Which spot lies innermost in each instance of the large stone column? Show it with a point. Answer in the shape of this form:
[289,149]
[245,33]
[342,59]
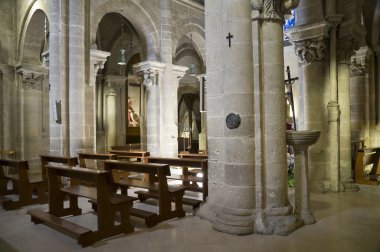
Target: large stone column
[8,102]
[311,48]
[152,73]
[359,95]
[345,51]
[32,120]
[77,73]
[231,147]
[58,78]
[273,212]
[97,60]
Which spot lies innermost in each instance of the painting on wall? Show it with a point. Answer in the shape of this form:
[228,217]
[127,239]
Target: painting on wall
[133,105]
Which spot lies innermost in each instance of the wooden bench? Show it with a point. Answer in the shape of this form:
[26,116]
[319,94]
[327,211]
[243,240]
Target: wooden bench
[108,204]
[193,155]
[48,159]
[157,185]
[367,158]
[30,188]
[190,168]
[139,155]
[90,160]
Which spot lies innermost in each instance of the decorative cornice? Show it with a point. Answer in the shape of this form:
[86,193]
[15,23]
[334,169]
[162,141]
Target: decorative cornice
[309,51]
[272,10]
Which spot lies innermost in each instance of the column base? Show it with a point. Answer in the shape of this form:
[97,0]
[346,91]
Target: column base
[306,216]
[234,221]
[279,221]
[350,186]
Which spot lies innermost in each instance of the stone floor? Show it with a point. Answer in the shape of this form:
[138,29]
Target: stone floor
[345,222]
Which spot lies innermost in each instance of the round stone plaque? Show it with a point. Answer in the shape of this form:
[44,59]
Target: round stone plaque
[232,121]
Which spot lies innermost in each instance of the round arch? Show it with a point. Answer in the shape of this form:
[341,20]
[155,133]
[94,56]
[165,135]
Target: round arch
[138,17]
[33,7]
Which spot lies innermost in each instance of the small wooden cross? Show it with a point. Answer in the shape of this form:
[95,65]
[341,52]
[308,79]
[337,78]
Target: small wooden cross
[229,37]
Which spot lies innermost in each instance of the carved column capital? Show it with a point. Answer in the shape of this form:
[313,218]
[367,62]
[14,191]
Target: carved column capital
[110,90]
[359,62]
[152,72]
[32,81]
[97,59]
[272,10]
[309,51]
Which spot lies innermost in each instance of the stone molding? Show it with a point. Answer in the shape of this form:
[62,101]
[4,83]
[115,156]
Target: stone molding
[272,10]
[179,71]
[309,51]
[315,31]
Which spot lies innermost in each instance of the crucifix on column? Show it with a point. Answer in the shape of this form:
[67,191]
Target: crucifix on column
[289,93]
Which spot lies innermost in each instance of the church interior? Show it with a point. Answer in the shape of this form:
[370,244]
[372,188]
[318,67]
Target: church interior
[190,125]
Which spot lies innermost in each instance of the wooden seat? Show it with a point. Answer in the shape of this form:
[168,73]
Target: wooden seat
[157,184]
[108,204]
[30,188]
[367,159]
[190,168]
[129,155]
[48,159]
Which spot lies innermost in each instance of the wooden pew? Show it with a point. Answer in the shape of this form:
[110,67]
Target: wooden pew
[192,155]
[30,188]
[190,167]
[157,185]
[46,159]
[368,157]
[108,204]
[89,160]
[132,154]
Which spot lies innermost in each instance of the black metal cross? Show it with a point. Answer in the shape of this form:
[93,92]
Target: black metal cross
[229,37]
[289,93]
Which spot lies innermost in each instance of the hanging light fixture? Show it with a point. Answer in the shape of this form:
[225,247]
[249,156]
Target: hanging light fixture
[122,60]
[192,65]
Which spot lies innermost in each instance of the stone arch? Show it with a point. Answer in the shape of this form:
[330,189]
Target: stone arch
[185,28]
[33,7]
[138,17]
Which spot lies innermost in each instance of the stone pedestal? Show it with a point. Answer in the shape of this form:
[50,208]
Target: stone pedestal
[300,141]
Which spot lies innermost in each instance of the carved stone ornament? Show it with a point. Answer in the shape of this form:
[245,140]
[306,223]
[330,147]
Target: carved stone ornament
[273,10]
[233,121]
[309,51]
[111,90]
[358,68]
[32,81]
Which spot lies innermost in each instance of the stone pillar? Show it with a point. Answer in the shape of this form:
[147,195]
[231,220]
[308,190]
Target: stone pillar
[111,128]
[311,47]
[59,77]
[231,116]
[152,73]
[8,105]
[377,83]
[273,212]
[77,73]
[97,60]
[345,51]
[203,134]
[359,96]
[32,83]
